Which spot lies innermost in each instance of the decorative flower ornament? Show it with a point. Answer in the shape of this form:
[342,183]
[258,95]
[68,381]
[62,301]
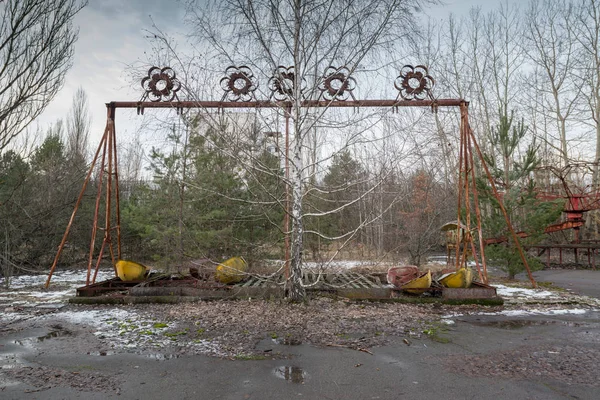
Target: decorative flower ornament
[281,83]
[337,84]
[414,83]
[239,84]
[161,84]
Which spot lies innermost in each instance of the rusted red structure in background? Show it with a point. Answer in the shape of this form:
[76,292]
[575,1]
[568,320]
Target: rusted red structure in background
[579,196]
[568,184]
[161,86]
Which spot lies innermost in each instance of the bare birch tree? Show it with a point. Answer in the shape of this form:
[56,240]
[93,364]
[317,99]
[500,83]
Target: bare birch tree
[587,33]
[552,50]
[78,128]
[503,29]
[36,51]
[308,36]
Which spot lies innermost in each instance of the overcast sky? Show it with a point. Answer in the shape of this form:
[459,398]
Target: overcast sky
[112,36]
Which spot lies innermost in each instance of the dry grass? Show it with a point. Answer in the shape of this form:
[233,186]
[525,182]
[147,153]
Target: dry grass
[239,325]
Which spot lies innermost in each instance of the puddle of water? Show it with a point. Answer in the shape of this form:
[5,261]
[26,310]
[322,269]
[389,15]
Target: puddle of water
[521,323]
[287,341]
[514,324]
[13,352]
[12,361]
[102,353]
[26,343]
[6,382]
[290,373]
[54,334]
[391,360]
[15,358]
[153,356]
[161,357]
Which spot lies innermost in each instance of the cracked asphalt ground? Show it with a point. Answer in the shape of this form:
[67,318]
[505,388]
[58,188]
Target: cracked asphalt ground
[330,350]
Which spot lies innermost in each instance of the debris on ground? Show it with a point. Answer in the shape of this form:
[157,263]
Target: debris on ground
[44,378]
[570,364]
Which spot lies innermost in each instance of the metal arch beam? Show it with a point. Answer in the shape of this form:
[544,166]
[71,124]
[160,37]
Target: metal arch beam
[287,104]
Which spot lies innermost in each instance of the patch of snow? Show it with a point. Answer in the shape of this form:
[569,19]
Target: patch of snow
[520,313]
[28,289]
[336,264]
[517,313]
[77,277]
[129,330]
[93,317]
[49,296]
[8,317]
[333,265]
[452,315]
[438,259]
[506,291]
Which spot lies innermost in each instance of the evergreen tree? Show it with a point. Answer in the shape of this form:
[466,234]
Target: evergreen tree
[203,202]
[36,200]
[514,180]
[343,186]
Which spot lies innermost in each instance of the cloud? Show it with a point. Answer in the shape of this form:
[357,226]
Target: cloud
[111,36]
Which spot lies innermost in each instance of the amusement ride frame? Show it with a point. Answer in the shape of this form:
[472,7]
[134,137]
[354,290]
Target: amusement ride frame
[414,85]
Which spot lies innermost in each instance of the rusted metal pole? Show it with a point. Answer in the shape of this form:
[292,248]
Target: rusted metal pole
[117,194]
[66,234]
[110,227]
[502,208]
[474,251]
[99,260]
[97,207]
[464,109]
[467,186]
[109,176]
[470,185]
[459,238]
[140,105]
[560,256]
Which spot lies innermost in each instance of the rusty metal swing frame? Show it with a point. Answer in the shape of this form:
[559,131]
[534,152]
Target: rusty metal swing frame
[414,85]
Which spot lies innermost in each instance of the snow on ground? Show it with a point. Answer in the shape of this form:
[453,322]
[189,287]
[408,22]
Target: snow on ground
[334,265]
[338,264]
[517,313]
[121,329]
[341,265]
[444,260]
[115,327]
[447,319]
[525,297]
[516,292]
[75,278]
[27,290]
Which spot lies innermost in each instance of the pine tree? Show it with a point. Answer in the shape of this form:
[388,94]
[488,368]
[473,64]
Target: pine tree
[514,176]
[203,203]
